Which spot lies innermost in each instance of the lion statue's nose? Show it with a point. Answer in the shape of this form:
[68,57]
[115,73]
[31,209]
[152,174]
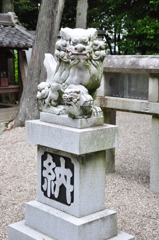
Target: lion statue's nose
[80,48]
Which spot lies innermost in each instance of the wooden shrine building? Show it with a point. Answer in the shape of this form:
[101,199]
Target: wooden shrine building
[13,40]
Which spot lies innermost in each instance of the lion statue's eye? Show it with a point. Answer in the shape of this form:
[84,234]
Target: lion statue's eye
[84,41]
[73,42]
[64,43]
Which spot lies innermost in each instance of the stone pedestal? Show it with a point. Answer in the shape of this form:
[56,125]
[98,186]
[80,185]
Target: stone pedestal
[154,169]
[110,118]
[71,182]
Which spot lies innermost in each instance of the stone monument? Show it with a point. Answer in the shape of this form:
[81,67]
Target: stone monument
[72,141]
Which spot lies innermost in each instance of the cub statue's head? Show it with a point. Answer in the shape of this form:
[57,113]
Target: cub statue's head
[78,101]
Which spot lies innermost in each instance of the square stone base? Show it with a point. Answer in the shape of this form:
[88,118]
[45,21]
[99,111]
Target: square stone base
[59,225]
[63,226]
[20,231]
[46,223]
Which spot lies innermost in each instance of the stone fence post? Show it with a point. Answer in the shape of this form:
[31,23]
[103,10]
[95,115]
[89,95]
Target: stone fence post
[131,83]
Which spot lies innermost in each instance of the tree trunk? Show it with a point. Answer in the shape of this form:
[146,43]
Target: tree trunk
[81,14]
[46,35]
[7,6]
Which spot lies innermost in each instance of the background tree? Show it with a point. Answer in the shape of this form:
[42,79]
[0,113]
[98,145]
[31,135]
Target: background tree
[81,14]
[142,28]
[69,14]
[6,6]
[27,12]
[132,26]
[46,35]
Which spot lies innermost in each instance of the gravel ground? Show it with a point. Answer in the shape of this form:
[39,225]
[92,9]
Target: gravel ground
[127,190]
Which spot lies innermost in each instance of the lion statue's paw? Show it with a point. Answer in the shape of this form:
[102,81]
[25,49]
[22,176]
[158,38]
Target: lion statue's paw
[96,111]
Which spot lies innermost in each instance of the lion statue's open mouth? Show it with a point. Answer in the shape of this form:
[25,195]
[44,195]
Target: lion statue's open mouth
[79,64]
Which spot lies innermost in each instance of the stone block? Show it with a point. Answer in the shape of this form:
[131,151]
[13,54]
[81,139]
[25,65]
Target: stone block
[88,181]
[62,226]
[153,88]
[76,141]
[64,120]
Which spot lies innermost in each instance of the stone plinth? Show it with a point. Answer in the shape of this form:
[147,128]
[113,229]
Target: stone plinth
[71,184]
[63,226]
[64,120]
[154,169]
[72,140]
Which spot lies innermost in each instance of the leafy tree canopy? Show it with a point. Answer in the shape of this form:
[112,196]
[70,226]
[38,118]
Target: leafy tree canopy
[132,26]
[27,12]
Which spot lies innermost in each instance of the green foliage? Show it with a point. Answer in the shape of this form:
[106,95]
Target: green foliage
[16,66]
[69,14]
[143,28]
[27,12]
[132,26]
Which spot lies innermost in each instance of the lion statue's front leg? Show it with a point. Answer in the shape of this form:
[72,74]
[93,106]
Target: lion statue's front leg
[74,75]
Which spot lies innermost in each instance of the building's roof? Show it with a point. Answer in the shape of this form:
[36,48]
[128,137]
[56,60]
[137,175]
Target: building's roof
[12,35]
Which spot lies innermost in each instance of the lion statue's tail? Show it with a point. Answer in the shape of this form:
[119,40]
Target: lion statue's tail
[50,65]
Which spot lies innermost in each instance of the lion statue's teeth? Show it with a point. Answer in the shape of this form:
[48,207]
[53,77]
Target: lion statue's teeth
[74,75]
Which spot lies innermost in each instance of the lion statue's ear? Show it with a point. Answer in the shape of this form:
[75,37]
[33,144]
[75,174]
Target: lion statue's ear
[65,33]
[93,33]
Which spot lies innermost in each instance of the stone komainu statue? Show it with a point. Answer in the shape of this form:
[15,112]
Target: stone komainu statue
[74,75]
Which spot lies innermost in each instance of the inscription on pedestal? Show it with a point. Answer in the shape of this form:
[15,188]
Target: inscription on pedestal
[57,178]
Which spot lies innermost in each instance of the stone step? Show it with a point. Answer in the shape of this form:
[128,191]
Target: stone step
[122,236]
[63,226]
[20,231]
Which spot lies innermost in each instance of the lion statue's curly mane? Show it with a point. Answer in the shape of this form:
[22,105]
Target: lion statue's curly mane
[78,62]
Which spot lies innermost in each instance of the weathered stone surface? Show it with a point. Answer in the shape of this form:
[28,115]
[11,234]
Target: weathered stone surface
[137,63]
[69,122]
[20,231]
[88,195]
[154,167]
[110,118]
[132,105]
[148,65]
[153,88]
[123,236]
[59,225]
[77,141]
[74,77]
